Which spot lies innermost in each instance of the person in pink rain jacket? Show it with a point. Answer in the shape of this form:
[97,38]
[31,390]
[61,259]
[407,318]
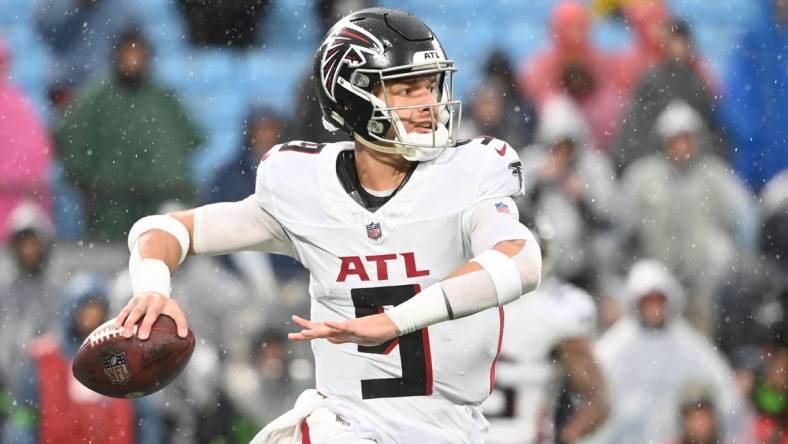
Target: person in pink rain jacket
[572,66]
[25,149]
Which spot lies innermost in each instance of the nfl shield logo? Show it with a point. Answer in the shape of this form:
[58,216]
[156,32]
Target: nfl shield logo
[115,368]
[373,231]
[502,207]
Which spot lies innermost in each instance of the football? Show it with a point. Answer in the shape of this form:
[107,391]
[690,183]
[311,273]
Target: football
[112,365]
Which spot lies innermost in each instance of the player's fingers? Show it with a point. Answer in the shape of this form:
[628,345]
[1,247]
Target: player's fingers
[316,333]
[340,326]
[297,337]
[121,317]
[153,312]
[173,310]
[303,323]
[134,315]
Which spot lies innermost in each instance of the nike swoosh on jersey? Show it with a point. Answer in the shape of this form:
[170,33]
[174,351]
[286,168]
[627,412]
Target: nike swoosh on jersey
[502,151]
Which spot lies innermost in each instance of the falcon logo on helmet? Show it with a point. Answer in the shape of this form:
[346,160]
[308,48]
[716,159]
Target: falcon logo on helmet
[368,50]
[346,46]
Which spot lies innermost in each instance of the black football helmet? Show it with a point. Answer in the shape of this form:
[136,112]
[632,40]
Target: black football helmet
[362,52]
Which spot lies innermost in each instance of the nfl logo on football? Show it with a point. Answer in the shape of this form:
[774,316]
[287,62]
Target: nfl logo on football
[373,231]
[115,368]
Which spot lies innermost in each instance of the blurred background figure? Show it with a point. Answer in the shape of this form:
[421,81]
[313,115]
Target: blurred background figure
[770,395]
[687,208]
[648,20]
[498,108]
[764,379]
[573,187]
[224,23]
[748,301]
[25,149]
[51,406]
[547,344]
[697,417]
[6,401]
[262,129]
[80,35]
[124,140]
[574,67]
[270,372]
[679,75]
[774,235]
[755,101]
[651,354]
[29,301]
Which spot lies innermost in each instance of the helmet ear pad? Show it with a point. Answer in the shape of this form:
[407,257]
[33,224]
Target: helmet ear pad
[357,109]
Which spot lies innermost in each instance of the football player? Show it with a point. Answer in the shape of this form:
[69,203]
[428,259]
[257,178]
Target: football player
[549,340]
[402,229]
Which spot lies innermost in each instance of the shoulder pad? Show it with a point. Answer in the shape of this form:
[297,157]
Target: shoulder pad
[499,166]
[286,168]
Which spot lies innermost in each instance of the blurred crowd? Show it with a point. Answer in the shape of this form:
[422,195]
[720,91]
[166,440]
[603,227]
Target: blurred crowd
[663,185]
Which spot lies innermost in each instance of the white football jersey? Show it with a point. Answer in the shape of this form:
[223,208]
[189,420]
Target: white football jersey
[522,407]
[424,386]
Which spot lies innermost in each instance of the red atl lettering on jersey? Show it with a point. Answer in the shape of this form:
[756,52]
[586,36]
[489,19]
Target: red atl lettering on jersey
[380,260]
[353,265]
[410,266]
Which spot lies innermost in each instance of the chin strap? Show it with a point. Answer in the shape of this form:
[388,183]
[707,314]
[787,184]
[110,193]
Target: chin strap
[413,154]
[403,151]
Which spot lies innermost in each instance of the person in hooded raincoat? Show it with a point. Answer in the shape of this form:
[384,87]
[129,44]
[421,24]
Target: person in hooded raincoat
[650,355]
[572,185]
[687,208]
[28,301]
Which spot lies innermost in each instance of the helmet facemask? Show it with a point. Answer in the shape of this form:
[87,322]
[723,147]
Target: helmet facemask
[386,131]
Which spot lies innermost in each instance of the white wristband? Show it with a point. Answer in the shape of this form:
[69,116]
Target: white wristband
[148,275]
[164,223]
[428,307]
[504,274]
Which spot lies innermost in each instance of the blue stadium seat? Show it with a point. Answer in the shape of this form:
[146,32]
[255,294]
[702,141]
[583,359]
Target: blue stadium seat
[716,12]
[14,11]
[220,147]
[523,40]
[536,12]
[611,35]
[291,24]
[273,75]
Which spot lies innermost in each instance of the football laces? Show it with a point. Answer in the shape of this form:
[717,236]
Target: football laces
[106,331]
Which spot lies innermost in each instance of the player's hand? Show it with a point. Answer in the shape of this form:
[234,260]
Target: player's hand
[367,330]
[148,307]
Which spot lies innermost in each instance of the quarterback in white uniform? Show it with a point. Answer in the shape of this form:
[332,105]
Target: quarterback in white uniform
[402,229]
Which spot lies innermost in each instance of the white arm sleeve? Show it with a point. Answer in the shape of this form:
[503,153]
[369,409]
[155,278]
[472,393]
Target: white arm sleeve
[227,227]
[501,280]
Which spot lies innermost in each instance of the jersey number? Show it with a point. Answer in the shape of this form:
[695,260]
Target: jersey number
[303,147]
[414,348]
